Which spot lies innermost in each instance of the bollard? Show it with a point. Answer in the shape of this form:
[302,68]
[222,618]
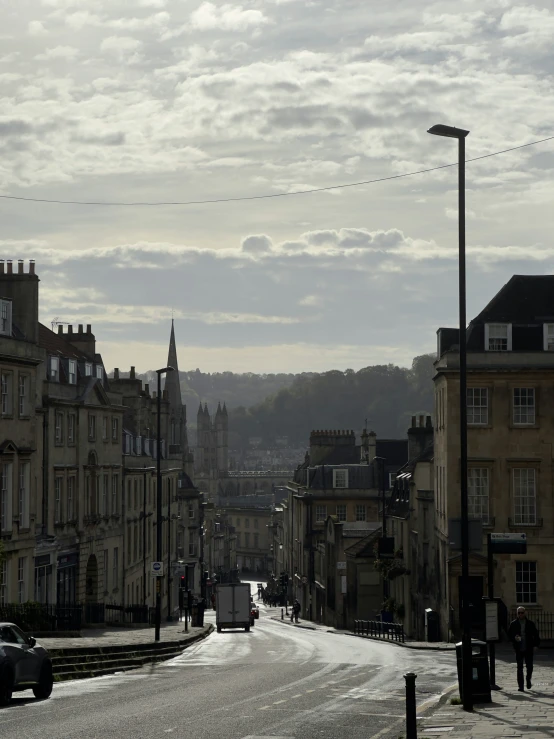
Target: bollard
[411,723]
[282,615]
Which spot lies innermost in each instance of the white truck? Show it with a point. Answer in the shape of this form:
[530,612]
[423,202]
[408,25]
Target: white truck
[232,606]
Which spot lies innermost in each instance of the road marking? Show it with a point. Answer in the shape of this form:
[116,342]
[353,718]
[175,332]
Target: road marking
[264,708]
[276,703]
[298,695]
[310,691]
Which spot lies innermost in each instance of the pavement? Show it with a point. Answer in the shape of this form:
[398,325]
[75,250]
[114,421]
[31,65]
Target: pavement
[511,715]
[111,636]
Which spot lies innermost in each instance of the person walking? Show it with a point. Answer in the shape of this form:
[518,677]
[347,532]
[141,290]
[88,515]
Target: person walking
[524,636]
[296,610]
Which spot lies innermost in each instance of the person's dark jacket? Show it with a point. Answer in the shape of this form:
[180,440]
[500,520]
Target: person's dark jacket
[532,638]
[296,607]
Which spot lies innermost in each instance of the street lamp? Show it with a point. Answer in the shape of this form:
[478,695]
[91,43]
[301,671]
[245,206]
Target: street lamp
[159,372]
[460,134]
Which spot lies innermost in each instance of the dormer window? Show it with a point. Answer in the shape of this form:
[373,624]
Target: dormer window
[498,337]
[340,478]
[54,369]
[88,369]
[5,317]
[72,372]
[99,372]
[549,337]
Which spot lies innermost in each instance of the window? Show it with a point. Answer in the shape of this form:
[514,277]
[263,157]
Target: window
[246,523]
[6,497]
[71,498]
[115,565]
[256,523]
[135,497]
[247,541]
[105,493]
[58,500]
[478,493]
[191,548]
[115,488]
[23,494]
[524,406]
[238,521]
[361,513]
[191,510]
[6,390]
[22,394]
[21,579]
[320,513]
[115,429]
[58,427]
[256,541]
[6,317]
[88,369]
[477,406]
[238,539]
[526,582]
[99,372]
[498,337]
[54,369]
[341,512]
[72,372]
[340,478]
[105,428]
[3,583]
[106,570]
[549,337]
[91,427]
[71,428]
[525,497]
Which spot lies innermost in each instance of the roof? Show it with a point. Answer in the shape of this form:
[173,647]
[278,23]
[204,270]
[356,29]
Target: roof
[365,547]
[58,345]
[399,501]
[357,529]
[360,476]
[394,451]
[524,298]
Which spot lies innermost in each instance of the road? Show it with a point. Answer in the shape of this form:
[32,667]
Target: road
[277,681]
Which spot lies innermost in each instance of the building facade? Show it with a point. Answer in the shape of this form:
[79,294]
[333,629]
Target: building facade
[510,397]
[211,459]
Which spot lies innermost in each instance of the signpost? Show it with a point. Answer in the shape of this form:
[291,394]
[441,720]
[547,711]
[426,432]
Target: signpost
[157,569]
[508,543]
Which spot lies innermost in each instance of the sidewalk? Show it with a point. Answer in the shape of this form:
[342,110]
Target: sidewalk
[511,715]
[115,636]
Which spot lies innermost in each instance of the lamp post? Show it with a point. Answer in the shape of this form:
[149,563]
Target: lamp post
[381,461]
[158,620]
[460,134]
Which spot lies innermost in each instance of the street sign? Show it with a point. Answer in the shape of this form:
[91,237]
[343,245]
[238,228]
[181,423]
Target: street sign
[509,543]
[491,620]
[341,565]
[157,569]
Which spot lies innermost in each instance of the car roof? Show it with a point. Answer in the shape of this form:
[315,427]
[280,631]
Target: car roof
[7,623]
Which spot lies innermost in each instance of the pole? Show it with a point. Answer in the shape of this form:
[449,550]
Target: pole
[466,626]
[411,720]
[158,509]
[144,539]
[168,551]
[492,645]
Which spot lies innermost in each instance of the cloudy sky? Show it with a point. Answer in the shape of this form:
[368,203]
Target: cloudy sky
[165,100]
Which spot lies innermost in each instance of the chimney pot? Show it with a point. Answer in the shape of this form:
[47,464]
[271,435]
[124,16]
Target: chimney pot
[116,373]
[147,389]
[60,329]
[413,422]
[31,266]
[132,374]
[429,422]
[70,328]
[10,267]
[20,266]
[80,328]
[89,328]
[421,421]
[1,266]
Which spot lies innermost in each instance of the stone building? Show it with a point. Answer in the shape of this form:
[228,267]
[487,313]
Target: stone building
[510,397]
[342,479]
[220,547]
[252,537]
[21,483]
[211,459]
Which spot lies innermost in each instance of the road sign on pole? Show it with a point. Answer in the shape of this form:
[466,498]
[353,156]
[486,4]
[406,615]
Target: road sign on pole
[157,569]
[509,543]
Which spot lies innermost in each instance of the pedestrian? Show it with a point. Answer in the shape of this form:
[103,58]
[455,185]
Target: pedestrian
[296,610]
[524,636]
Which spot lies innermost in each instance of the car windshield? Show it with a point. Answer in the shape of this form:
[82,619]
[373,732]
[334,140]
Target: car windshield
[12,635]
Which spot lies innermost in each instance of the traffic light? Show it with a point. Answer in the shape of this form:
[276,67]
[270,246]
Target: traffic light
[182,582]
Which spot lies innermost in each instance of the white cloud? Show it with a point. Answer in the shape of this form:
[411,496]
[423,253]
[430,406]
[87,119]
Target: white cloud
[227,17]
[59,52]
[36,28]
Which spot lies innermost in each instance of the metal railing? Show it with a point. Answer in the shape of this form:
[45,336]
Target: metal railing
[37,617]
[543,621]
[380,629]
[132,614]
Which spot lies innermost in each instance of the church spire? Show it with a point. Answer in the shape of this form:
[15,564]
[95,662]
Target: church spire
[172,383]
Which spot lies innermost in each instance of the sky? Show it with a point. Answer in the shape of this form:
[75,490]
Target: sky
[181,100]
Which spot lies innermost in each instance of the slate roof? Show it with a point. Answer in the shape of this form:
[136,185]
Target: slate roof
[57,345]
[394,451]
[360,476]
[399,501]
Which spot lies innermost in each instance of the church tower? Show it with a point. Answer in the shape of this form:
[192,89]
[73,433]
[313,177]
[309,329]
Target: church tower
[178,440]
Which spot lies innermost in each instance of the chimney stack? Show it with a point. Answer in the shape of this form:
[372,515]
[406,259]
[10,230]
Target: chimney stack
[20,266]
[22,290]
[132,374]
[70,328]
[10,267]
[31,266]
[116,373]
[1,266]
[60,329]
[80,328]
[89,328]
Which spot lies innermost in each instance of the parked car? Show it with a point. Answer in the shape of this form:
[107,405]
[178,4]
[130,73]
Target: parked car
[24,664]
[254,610]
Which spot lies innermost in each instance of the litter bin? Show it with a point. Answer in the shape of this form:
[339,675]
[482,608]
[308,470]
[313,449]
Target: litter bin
[194,615]
[480,683]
